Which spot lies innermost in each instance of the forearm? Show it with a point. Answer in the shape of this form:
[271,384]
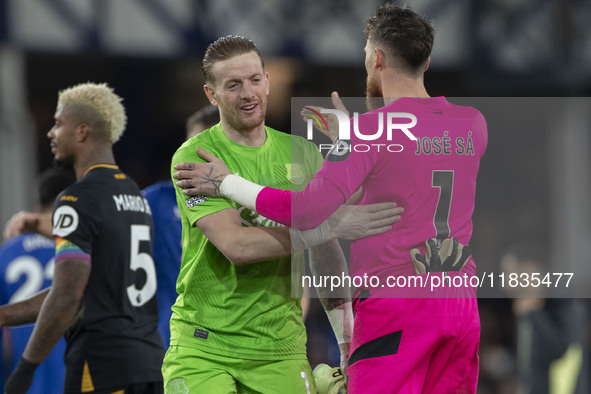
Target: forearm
[306,209]
[45,226]
[303,210]
[29,222]
[23,312]
[255,244]
[245,245]
[328,260]
[56,315]
[262,243]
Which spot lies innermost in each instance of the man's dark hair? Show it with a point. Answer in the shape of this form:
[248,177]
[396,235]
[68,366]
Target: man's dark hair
[207,116]
[402,34]
[225,48]
[52,182]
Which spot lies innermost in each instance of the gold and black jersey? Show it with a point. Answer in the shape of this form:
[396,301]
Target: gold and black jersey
[115,340]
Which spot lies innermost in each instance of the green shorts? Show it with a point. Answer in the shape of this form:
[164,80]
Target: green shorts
[188,370]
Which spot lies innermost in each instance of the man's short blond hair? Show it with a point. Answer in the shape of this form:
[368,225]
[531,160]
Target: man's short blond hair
[102,99]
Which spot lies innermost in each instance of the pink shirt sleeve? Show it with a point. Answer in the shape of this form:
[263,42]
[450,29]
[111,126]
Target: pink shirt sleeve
[275,204]
[309,208]
[330,188]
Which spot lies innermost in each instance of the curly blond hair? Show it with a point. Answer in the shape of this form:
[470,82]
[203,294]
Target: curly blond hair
[103,100]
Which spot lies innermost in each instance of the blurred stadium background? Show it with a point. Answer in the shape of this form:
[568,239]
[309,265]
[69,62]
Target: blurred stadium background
[534,182]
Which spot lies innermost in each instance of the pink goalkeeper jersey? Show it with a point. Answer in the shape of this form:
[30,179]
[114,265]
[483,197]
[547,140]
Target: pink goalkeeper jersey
[432,178]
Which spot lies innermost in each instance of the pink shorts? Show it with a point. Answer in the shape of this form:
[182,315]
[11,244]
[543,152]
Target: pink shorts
[415,345]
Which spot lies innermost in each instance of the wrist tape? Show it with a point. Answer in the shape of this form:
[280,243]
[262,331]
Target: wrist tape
[301,240]
[341,320]
[243,191]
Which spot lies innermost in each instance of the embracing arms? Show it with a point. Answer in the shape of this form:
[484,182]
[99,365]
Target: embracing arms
[244,245]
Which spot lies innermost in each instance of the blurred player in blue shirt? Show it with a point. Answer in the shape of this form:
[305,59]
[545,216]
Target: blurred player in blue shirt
[26,267]
[167,227]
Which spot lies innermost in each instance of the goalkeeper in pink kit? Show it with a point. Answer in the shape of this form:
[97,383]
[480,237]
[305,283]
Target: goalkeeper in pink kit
[405,340]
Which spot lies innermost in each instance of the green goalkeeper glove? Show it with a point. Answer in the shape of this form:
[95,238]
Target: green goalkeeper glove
[329,380]
[441,256]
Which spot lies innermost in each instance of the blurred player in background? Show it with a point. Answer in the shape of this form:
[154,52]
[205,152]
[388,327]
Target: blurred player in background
[103,295]
[201,120]
[235,326]
[399,344]
[552,333]
[26,267]
[167,227]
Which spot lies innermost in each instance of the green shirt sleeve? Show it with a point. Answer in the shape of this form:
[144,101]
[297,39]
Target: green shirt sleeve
[195,207]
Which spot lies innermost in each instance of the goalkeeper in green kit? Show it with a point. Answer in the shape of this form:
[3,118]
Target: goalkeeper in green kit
[235,327]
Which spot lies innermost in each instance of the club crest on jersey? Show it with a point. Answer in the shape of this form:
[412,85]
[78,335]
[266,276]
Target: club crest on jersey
[177,386]
[65,221]
[195,200]
[295,174]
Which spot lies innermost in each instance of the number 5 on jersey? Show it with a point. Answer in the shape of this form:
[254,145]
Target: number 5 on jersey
[143,261]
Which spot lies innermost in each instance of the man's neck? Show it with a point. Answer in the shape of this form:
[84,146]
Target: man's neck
[99,155]
[398,86]
[254,137]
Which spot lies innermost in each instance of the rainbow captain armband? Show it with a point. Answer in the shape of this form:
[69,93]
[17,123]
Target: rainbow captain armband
[65,249]
[266,201]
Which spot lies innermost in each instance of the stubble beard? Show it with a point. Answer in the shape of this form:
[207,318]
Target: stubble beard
[237,124]
[373,94]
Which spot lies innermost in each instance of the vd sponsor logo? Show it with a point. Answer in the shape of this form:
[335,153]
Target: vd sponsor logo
[389,123]
[65,221]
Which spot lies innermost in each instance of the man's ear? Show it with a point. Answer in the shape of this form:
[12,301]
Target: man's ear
[210,93]
[379,59]
[83,132]
[427,64]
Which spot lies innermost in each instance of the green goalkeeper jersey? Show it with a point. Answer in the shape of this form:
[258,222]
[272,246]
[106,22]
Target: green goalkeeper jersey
[240,311]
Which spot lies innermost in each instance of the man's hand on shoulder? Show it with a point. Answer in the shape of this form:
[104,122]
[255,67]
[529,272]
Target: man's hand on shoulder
[352,222]
[201,179]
